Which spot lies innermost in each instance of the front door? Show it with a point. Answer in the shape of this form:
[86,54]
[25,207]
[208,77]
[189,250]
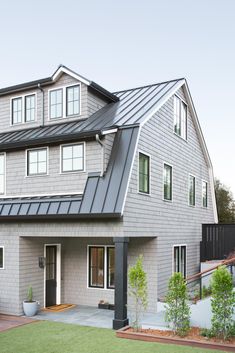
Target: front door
[51,251]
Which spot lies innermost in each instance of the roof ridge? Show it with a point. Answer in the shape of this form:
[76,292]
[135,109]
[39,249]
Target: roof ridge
[151,85]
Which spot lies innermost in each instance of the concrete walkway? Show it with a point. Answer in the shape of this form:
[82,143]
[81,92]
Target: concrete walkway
[91,316]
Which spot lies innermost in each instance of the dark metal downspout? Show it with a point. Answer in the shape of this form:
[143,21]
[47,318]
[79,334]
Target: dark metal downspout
[43,115]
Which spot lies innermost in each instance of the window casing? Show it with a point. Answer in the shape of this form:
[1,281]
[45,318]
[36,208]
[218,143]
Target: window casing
[180,117]
[23,109]
[37,162]
[204,193]
[192,190]
[1,257]
[101,264]
[144,173]
[72,158]
[73,100]
[180,259]
[56,103]
[167,182]
[2,173]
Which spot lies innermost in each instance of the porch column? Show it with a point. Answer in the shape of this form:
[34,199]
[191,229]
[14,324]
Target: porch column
[120,301]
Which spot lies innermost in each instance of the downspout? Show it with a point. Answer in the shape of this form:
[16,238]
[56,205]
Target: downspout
[43,117]
[103,152]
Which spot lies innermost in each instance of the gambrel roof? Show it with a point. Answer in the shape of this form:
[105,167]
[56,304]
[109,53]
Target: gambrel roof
[126,113]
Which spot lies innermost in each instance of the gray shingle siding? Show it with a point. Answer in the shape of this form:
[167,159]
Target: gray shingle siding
[176,222]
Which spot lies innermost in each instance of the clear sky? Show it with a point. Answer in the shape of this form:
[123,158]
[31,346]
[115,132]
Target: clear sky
[127,43]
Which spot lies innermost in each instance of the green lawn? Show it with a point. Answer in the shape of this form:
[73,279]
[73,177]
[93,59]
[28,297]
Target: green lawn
[51,337]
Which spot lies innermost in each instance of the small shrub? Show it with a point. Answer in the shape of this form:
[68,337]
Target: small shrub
[206,291]
[177,309]
[138,289]
[222,303]
[205,332]
[30,294]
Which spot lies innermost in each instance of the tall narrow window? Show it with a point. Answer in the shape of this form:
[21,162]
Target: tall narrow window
[72,158]
[2,173]
[37,162]
[144,173]
[96,267]
[17,110]
[180,117]
[167,182]
[56,103]
[191,190]
[30,108]
[1,257]
[204,194]
[110,267]
[180,259]
[73,100]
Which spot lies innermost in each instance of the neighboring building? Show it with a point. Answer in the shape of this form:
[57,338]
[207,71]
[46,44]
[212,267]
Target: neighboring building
[91,179]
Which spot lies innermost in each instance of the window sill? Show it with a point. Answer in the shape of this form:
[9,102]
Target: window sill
[109,289]
[169,201]
[183,139]
[143,193]
[65,117]
[36,175]
[73,172]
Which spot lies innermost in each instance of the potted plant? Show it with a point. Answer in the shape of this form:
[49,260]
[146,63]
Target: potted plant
[30,306]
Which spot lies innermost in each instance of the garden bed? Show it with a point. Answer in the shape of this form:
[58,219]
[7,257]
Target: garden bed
[193,338]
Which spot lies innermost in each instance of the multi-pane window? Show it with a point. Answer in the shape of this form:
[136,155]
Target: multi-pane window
[72,100]
[96,267]
[56,103]
[144,173]
[2,173]
[17,110]
[180,117]
[37,161]
[167,175]
[191,190]
[204,193]
[180,259]
[101,267]
[1,257]
[30,108]
[72,158]
[110,267]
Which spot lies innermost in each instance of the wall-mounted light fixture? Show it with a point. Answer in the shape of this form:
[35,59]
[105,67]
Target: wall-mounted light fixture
[41,261]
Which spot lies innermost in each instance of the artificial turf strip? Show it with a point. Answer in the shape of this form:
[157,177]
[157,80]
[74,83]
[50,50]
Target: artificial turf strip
[53,337]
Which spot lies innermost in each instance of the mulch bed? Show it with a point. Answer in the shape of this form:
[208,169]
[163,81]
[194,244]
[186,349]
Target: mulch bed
[10,321]
[193,338]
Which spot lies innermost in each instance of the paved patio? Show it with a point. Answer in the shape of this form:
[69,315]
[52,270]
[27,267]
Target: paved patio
[91,316]
[9,321]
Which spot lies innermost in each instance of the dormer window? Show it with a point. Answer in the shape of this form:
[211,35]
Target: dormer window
[23,109]
[180,118]
[64,102]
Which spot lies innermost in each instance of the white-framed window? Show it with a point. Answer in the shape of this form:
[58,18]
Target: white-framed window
[1,257]
[2,173]
[72,158]
[192,190]
[204,193]
[73,100]
[101,262]
[180,117]
[144,173]
[37,161]
[179,259]
[167,182]
[64,102]
[23,109]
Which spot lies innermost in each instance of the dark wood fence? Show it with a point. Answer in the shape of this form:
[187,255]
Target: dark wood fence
[218,241]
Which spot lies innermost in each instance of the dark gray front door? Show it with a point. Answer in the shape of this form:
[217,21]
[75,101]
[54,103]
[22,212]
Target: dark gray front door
[51,275]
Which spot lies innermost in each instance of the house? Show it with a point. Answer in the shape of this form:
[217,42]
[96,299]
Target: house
[91,179]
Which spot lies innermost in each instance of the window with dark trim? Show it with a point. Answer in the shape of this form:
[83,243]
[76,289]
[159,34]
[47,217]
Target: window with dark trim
[191,190]
[204,194]
[17,110]
[110,267]
[73,100]
[37,161]
[167,182]
[180,259]
[56,103]
[30,108]
[1,257]
[180,117]
[2,172]
[23,109]
[144,173]
[96,266]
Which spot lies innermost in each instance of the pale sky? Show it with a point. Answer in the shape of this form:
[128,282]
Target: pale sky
[128,43]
